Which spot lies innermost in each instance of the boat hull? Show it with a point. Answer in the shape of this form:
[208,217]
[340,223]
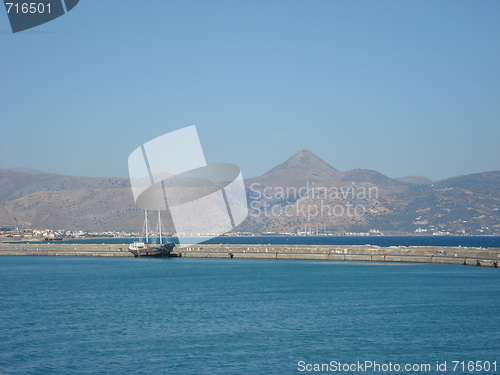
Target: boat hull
[155,252]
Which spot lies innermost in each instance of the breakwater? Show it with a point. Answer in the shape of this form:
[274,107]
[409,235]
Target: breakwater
[58,249]
[472,256]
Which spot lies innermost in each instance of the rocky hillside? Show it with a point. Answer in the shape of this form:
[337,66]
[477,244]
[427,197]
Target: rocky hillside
[302,194]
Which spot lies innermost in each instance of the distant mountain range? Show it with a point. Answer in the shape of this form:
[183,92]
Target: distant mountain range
[303,194]
[24,170]
[414,179]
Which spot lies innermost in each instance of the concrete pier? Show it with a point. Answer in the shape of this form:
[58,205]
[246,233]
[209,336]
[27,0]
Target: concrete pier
[471,256]
[487,257]
[59,249]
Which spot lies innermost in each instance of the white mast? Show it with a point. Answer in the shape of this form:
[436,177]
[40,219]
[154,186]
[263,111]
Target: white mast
[146,225]
[159,227]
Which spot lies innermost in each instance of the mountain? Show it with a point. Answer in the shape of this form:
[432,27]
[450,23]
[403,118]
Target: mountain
[24,170]
[300,167]
[459,205]
[67,202]
[307,164]
[11,182]
[486,182]
[78,209]
[304,193]
[371,177]
[414,179]
[18,184]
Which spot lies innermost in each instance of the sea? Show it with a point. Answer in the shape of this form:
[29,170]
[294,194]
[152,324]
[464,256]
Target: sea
[85,315]
[470,241]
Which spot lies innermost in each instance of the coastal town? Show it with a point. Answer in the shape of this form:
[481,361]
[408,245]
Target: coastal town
[38,235]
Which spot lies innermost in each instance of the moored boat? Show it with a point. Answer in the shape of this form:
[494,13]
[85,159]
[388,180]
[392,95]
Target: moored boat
[145,249]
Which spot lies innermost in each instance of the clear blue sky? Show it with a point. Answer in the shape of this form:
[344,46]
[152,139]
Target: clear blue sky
[402,87]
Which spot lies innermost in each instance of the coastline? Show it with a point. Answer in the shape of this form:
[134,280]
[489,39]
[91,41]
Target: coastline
[472,256]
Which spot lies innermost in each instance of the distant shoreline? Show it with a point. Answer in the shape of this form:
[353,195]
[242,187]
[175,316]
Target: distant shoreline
[3,239]
[382,241]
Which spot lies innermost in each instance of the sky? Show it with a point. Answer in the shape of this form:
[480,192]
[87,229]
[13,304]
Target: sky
[401,87]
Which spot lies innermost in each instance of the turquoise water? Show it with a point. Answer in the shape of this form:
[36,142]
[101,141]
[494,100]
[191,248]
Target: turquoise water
[202,316]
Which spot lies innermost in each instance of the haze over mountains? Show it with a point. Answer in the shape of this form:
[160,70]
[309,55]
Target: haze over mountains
[303,194]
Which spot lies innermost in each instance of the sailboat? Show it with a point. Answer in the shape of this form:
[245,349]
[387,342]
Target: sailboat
[143,248]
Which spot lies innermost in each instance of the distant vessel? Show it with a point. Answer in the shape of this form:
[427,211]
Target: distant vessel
[145,249]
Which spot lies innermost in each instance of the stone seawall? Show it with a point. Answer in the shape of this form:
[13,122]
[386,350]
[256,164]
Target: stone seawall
[60,249]
[488,257]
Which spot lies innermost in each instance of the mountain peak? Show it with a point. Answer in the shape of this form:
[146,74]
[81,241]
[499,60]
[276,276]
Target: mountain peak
[304,162]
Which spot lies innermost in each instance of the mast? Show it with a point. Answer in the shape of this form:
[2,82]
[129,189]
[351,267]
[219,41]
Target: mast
[159,227]
[146,225]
